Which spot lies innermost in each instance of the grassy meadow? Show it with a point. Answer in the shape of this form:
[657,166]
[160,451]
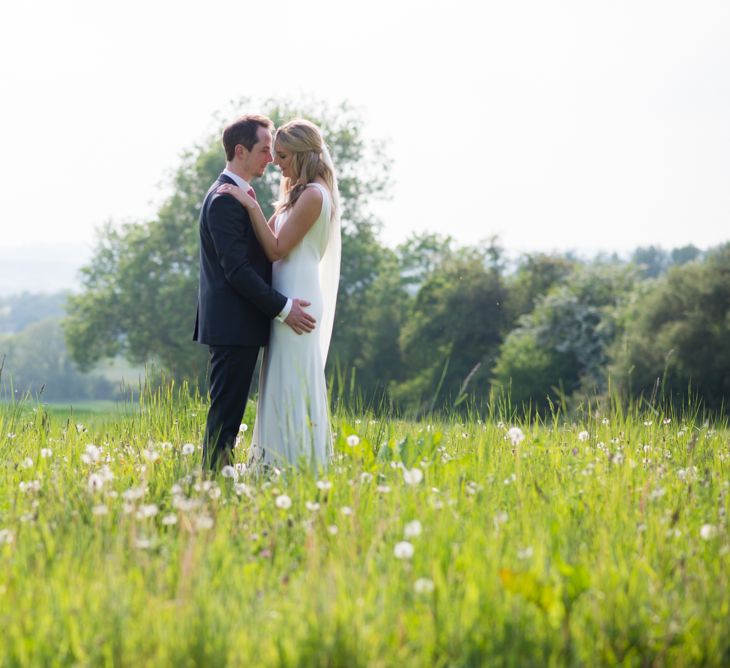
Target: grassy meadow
[595,540]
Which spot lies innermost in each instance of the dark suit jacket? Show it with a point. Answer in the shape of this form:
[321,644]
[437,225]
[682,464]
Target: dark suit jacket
[236,302]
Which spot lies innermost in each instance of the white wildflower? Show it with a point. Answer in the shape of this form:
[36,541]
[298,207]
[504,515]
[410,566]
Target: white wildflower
[515,435]
[324,485]
[332,529]
[312,506]
[148,510]
[91,454]
[412,476]
[27,463]
[229,472]
[96,482]
[708,531]
[169,520]
[423,586]
[203,522]
[353,440]
[188,449]
[283,502]
[525,553]
[583,436]
[403,550]
[500,518]
[151,455]
[242,488]
[346,510]
[243,427]
[413,529]
[383,489]
[6,536]
[134,493]
[46,453]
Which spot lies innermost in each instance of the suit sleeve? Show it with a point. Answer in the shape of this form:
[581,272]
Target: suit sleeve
[230,229]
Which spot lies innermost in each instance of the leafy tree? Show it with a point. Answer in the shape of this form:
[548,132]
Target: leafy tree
[140,287]
[677,332]
[652,261]
[536,274]
[562,346]
[37,362]
[19,311]
[453,331]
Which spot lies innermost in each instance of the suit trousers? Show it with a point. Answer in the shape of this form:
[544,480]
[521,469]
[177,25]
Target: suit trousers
[231,371]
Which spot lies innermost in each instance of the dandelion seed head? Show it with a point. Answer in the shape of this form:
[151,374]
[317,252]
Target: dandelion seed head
[423,586]
[283,502]
[353,440]
[404,550]
[413,529]
[708,531]
[412,476]
[515,435]
[583,436]
[229,472]
[95,482]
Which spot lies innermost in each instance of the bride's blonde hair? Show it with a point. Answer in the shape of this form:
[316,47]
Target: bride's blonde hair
[310,159]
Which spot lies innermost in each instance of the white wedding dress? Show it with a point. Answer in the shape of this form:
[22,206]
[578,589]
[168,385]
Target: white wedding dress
[292,418]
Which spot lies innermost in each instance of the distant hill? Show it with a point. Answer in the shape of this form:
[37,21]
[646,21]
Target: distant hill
[41,268]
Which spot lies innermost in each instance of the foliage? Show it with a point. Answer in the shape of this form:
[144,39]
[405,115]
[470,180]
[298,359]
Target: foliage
[677,331]
[600,542]
[21,310]
[453,330]
[36,361]
[562,346]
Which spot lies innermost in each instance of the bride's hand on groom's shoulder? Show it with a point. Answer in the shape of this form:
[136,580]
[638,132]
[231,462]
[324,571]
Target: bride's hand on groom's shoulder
[244,198]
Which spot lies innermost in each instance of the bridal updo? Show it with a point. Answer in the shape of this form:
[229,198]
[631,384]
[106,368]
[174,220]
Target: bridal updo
[310,159]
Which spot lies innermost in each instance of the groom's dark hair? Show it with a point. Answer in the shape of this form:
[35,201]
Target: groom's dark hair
[244,131]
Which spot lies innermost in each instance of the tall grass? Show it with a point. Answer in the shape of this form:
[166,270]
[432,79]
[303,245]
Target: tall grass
[596,540]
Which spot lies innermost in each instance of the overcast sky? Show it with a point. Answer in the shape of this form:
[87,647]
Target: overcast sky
[554,125]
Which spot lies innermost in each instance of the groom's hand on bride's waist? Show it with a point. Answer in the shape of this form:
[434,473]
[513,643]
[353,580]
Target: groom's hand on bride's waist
[298,319]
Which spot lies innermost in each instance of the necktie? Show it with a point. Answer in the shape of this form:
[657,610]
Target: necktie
[251,193]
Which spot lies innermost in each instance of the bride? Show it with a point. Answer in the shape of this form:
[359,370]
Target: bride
[302,239]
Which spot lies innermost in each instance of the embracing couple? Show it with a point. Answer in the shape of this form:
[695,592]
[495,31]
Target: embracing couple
[245,302]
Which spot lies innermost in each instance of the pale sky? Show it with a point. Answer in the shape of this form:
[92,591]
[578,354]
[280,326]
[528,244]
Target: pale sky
[554,125]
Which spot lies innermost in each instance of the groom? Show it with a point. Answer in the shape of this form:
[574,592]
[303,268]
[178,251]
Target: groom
[235,299]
